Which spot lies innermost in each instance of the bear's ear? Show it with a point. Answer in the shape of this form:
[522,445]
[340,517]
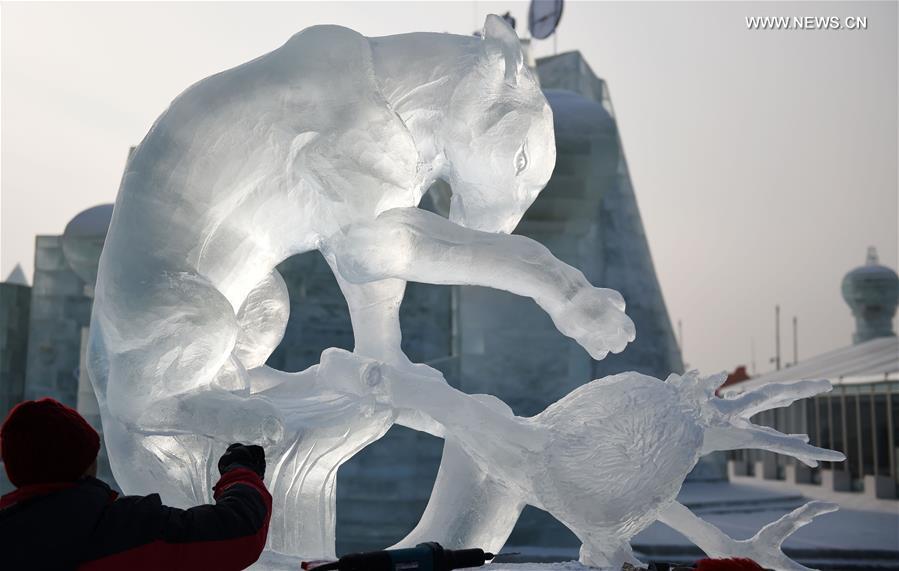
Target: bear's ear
[499,36]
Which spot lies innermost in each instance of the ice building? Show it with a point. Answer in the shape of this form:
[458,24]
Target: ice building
[15,305]
[65,271]
[872,292]
[488,341]
[60,308]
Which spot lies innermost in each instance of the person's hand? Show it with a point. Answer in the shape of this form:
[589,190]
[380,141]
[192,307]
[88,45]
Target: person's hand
[243,456]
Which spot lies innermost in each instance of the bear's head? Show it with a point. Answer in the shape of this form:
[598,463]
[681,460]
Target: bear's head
[500,147]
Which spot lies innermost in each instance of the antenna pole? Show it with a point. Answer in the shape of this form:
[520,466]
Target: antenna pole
[777,336]
[752,353]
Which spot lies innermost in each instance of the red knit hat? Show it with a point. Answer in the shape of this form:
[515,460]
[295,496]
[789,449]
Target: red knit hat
[45,441]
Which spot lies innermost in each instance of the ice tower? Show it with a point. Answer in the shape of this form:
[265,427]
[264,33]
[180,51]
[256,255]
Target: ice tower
[872,292]
[61,299]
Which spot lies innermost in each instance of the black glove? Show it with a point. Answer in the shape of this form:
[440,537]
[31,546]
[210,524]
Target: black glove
[243,456]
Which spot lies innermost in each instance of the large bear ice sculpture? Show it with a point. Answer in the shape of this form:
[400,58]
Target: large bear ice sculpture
[329,143]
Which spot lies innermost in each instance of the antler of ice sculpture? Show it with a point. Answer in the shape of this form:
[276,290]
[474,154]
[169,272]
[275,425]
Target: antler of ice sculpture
[729,427]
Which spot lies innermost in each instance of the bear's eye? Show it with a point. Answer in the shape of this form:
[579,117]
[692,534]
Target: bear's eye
[521,159]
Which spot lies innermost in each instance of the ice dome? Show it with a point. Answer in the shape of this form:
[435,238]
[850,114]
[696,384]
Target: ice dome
[872,292]
[82,240]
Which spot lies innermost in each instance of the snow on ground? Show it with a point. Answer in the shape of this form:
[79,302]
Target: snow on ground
[849,500]
[842,530]
[741,509]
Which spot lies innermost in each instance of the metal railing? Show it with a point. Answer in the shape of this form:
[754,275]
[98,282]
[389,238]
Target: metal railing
[858,419]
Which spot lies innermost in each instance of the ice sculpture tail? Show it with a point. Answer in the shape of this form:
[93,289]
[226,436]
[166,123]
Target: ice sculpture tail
[764,547]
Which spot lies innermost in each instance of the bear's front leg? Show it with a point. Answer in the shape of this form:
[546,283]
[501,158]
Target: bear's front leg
[416,245]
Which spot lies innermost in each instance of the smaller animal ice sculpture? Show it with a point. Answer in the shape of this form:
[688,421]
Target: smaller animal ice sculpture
[607,460]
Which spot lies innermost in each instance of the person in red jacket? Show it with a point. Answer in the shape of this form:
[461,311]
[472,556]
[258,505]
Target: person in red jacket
[61,517]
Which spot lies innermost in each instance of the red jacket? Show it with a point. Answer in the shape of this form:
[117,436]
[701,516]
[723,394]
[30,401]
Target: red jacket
[85,526]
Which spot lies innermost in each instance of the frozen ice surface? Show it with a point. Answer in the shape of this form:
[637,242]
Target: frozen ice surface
[328,143]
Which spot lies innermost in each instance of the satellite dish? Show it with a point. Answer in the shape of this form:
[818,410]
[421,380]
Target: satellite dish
[543,18]
[509,19]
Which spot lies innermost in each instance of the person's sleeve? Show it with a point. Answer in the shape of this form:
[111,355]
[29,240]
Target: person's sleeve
[230,535]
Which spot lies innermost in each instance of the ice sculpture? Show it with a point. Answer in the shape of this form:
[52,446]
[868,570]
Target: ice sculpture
[607,460]
[328,143]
